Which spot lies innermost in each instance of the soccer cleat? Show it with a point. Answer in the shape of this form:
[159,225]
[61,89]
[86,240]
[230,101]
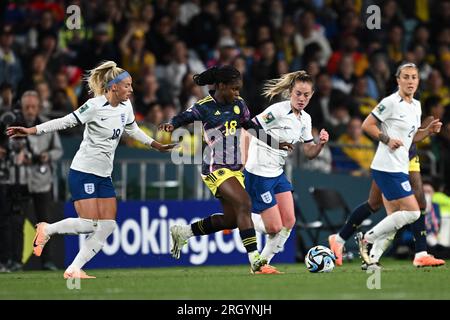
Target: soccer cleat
[268,269]
[40,239]
[363,247]
[257,263]
[78,274]
[428,261]
[337,249]
[179,239]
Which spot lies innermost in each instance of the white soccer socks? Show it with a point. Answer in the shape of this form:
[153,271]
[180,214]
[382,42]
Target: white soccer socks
[93,244]
[275,243]
[71,226]
[391,223]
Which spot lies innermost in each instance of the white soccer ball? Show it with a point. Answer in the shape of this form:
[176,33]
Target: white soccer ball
[320,259]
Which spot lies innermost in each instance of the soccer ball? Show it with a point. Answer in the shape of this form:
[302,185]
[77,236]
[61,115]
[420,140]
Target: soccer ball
[320,259]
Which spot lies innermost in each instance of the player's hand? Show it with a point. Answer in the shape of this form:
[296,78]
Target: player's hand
[434,126]
[323,136]
[394,144]
[163,147]
[286,146]
[166,127]
[18,132]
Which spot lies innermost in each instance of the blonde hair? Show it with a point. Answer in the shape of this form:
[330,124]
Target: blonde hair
[99,77]
[285,84]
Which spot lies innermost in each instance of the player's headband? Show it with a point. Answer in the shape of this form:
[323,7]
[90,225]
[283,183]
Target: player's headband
[117,79]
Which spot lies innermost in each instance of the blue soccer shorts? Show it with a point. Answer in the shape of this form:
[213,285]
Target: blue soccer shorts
[84,185]
[262,190]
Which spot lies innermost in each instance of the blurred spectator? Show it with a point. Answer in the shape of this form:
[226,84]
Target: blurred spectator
[160,40]
[38,73]
[205,27]
[62,83]
[345,78]
[97,49]
[6,96]
[150,93]
[357,147]
[378,76]
[323,99]
[180,64]
[135,58]
[290,43]
[44,149]
[395,45]
[266,67]
[349,47]
[190,92]
[10,66]
[339,119]
[239,28]
[364,103]
[435,86]
[43,89]
[248,85]
[226,49]
[188,10]
[149,124]
[313,33]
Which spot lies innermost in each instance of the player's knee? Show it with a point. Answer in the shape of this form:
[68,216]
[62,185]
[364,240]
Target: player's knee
[289,222]
[273,227]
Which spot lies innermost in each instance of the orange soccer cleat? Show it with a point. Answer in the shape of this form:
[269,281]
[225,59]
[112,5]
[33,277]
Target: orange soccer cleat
[268,269]
[337,249]
[78,274]
[40,239]
[428,261]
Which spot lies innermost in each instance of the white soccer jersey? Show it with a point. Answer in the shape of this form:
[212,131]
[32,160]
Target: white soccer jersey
[280,122]
[399,120]
[104,127]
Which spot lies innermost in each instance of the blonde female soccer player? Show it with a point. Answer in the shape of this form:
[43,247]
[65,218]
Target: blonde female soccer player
[399,118]
[106,117]
[265,180]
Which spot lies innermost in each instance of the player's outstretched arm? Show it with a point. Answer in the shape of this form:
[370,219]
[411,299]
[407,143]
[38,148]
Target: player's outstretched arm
[136,133]
[18,132]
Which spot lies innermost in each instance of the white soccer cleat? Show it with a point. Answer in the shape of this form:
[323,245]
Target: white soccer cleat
[180,235]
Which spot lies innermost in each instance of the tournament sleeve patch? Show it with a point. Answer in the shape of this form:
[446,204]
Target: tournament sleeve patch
[268,118]
[83,108]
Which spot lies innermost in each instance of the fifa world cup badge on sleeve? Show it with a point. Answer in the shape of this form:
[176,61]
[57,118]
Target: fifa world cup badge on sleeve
[381,108]
[268,118]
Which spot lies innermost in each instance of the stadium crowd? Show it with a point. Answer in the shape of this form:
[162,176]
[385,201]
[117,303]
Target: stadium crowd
[163,43]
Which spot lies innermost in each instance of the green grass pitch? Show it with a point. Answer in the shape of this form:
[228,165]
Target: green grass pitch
[399,280]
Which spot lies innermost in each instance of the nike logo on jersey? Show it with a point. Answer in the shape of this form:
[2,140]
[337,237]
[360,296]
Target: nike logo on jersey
[103,119]
[402,116]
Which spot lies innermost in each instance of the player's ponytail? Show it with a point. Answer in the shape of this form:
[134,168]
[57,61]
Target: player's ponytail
[285,84]
[224,74]
[99,77]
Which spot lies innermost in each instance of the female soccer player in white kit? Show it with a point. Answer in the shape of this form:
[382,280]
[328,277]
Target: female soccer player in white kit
[106,116]
[265,181]
[399,115]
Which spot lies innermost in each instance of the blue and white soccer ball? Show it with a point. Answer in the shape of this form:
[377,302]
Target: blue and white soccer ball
[320,259]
